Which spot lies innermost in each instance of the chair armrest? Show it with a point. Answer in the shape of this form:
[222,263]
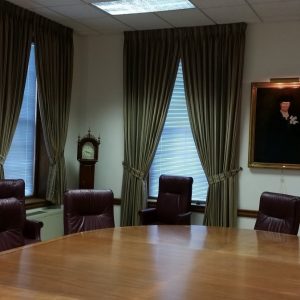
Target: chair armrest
[148,215]
[184,219]
[32,229]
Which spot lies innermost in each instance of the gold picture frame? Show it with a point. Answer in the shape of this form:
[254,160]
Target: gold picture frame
[274,140]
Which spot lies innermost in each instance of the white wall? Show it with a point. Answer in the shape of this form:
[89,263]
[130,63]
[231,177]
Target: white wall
[272,50]
[97,103]
[52,219]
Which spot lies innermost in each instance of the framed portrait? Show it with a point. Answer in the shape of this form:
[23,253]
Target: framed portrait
[275,125]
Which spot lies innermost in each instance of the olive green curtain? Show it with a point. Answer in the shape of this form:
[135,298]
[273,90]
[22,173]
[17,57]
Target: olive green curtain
[150,64]
[54,60]
[212,60]
[15,42]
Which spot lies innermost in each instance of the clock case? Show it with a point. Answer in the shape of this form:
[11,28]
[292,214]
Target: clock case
[87,166]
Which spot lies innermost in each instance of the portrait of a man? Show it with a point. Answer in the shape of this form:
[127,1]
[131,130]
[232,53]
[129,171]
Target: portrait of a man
[275,125]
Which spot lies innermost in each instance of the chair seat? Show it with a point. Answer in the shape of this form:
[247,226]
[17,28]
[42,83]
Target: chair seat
[11,239]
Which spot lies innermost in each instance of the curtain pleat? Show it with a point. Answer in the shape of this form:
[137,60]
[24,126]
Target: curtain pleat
[212,61]
[15,42]
[150,64]
[54,60]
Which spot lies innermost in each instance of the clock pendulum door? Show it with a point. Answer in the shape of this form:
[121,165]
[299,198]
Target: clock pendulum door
[86,176]
[87,155]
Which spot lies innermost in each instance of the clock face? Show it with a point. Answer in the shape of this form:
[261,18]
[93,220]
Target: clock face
[88,151]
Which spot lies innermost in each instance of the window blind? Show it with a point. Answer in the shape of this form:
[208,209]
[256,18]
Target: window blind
[176,153]
[19,163]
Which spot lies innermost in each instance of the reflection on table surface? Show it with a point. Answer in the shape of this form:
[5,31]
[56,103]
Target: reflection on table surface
[155,262]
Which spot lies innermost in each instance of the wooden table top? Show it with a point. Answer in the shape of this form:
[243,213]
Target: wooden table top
[155,262]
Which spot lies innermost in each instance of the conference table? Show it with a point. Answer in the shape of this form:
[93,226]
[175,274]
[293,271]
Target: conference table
[155,262]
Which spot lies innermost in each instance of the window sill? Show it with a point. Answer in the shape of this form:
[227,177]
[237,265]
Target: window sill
[39,202]
[197,206]
[36,203]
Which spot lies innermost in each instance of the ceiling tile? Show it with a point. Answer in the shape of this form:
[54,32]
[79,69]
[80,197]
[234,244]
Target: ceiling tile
[266,1]
[217,3]
[143,21]
[90,20]
[187,17]
[78,11]
[287,9]
[93,1]
[75,25]
[25,3]
[232,14]
[48,13]
[105,25]
[49,3]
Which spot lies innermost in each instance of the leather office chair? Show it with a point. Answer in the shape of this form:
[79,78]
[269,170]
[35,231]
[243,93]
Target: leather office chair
[278,213]
[88,210]
[11,224]
[173,202]
[16,188]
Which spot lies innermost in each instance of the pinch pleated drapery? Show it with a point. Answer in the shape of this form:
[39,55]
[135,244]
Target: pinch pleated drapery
[150,64]
[54,60]
[212,61]
[15,42]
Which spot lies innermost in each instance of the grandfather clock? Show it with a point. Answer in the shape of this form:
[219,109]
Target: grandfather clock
[87,155]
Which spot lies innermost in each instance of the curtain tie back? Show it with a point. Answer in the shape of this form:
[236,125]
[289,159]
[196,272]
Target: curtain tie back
[222,176]
[134,172]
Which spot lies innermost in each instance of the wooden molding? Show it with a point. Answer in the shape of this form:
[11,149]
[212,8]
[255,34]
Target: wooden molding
[36,203]
[199,208]
[247,213]
[117,201]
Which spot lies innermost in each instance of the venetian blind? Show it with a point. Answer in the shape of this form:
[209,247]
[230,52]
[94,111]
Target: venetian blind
[176,153]
[19,163]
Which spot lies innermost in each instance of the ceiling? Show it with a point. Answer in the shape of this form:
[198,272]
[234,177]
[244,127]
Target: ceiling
[86,19]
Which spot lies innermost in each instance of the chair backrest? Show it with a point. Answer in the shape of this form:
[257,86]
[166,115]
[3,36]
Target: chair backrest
[11,224]
[88,210]
[16,188]
[278,213]
[174,197]
[13,188]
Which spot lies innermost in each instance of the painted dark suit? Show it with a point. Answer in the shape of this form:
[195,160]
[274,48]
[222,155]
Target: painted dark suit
[284,139]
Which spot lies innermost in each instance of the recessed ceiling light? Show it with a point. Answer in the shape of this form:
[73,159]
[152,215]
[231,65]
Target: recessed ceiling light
[124,7]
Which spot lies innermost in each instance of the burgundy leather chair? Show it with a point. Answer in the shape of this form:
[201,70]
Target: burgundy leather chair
[11,224]
[173,202]
[16,188]
[278,213]
[88,210]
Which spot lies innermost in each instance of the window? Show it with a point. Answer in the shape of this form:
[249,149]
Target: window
[176,153]
[20,162]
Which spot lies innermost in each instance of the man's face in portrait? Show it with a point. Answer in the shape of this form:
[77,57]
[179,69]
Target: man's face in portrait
[285,105]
